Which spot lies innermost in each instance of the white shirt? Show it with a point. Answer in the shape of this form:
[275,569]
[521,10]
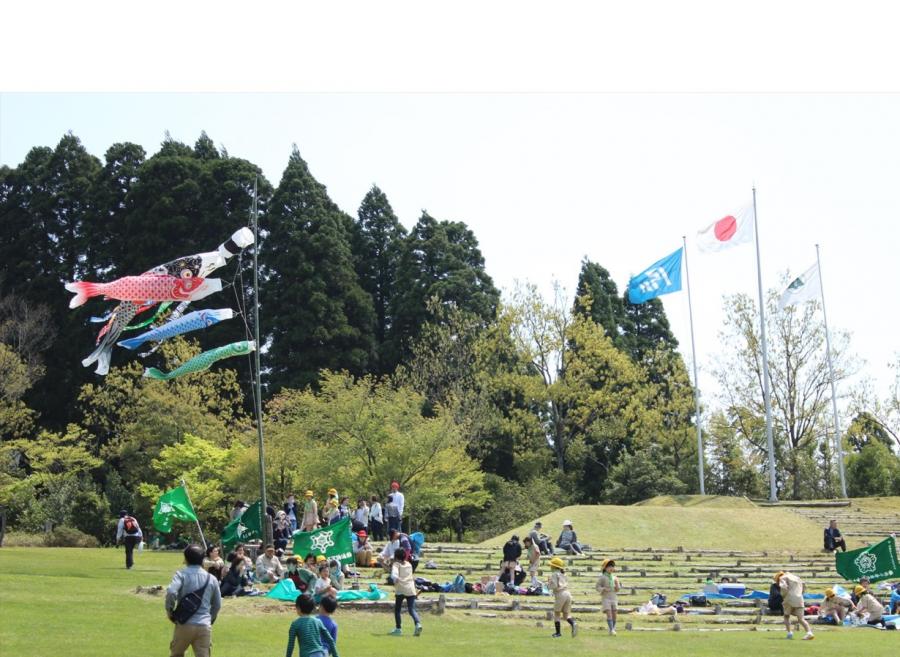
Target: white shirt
[388,552]
[375,512]
[120,530]
[362,515]
[399,500]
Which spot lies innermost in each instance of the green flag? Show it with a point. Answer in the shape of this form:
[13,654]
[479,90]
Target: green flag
[173,505]
[243,528]
[333,541]
[877,562]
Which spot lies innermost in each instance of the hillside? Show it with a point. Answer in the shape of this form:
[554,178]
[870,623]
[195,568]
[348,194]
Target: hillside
[706,501]
[695,526]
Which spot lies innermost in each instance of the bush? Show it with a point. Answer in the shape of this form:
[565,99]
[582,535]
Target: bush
[69,537]
[23,539]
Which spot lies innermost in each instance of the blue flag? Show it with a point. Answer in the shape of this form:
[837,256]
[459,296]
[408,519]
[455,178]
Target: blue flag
[659,278]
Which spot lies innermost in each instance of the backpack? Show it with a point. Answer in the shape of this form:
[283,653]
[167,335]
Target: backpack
[459,584]
[698,600]
[130,525]
[659,599]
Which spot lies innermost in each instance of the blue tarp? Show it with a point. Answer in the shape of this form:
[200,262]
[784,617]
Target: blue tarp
[749,595]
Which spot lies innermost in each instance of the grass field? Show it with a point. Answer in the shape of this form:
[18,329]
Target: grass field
[706,501]
[79,602]
[696,526]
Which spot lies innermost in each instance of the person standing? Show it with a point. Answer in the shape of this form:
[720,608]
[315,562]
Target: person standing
[195,631]
[392,513]
[533,554]
[608,586]
[400,501]
[292,511]
[310,513]
[128,531]
[376,517]
[792,588]
[404,589]
[360,521]
[308,632]
[512,550]
[562,599]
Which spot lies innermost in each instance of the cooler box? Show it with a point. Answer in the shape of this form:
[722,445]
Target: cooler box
[737,590]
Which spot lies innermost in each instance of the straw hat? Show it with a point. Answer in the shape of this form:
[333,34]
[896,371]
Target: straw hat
[332,491]
[859,590]
[556,562]
[308,493]
[605,563]
[320,558]
[829,593]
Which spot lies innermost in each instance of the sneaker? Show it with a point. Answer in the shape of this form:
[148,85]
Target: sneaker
[418,630]
[612,633]
[555,635]
[809,636]
[395,632]
[790,635]
[574,629]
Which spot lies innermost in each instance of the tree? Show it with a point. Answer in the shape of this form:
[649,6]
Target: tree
[318,316]
[441,260]
[605,306]
[873,471]
[377,243]
[800,383]
[733,469]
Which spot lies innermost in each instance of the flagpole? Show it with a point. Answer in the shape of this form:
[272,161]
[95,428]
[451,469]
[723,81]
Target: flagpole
[687,275]
[839,451]
[199,529]
[767,400]
[257,390]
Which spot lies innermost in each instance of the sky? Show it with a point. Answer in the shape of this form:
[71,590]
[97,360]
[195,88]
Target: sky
[547,179]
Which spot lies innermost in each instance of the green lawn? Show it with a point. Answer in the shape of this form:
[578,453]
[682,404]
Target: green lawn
[694,526]
[76,602]
[707,501]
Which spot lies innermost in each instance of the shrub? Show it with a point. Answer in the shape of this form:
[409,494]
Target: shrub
[23,539]
[69,537]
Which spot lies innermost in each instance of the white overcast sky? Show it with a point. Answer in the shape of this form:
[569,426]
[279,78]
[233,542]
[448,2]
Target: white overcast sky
[543,173]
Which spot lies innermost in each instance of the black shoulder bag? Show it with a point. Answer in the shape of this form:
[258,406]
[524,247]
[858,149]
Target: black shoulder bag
[189,604]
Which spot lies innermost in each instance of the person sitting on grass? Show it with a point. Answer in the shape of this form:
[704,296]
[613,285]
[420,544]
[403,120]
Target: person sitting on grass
[314,640]
[323,585]
[240,551]
[213,563]
[268,567]
[792,588]
[836,607]
[336,574]
[236,582]
[608,586]
[362,550]
[833,538]
[863,582]
[895,599]
[404,589]
[327,606]
[562,598]
[568,539]
[868,607]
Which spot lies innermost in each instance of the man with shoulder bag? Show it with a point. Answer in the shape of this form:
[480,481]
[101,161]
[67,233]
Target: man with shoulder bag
[193,601]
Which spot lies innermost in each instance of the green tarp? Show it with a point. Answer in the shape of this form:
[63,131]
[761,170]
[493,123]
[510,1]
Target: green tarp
[285,590]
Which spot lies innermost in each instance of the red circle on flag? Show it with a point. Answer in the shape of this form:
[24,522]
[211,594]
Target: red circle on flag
[725,228]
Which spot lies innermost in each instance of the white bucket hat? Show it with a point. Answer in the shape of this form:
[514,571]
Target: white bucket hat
[567,522]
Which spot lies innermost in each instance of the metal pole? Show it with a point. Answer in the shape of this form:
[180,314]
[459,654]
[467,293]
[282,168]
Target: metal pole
[257,390]
[773,493]
[687,275]
[838,448]
[202,538]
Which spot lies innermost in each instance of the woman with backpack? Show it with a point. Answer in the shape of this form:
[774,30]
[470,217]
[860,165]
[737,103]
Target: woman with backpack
[404,589]
[128,531]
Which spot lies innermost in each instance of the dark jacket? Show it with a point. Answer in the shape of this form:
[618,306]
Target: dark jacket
[832,537]
[512,550]
[234,582]
[775,601]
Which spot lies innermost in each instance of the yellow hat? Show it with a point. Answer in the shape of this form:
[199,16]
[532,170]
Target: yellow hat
[308,493]
[859,590]
[320,558]
[605,563]
[778,575]
[829,593]
[332,491]
[556,562]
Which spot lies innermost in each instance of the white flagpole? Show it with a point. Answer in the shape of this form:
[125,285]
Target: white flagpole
[838,448]
[687,275]
[767,400]
[202,538]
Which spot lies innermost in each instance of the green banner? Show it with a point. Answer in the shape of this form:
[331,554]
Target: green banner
[877,562]
[243,528]
[333,541]
[173,505]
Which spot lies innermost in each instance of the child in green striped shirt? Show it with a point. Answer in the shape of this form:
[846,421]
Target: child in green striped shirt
[310,632]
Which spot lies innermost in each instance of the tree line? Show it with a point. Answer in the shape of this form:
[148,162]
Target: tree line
[389,354]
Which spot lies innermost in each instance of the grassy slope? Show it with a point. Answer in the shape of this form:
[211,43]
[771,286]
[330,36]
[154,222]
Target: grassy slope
[80,603]
[706,501]
[876,505]
[692,526]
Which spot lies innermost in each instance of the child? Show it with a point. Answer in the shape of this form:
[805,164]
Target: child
[313,637]
[608,585]
[868,606]
[562,605]
[323,585]
[327,607]
[792,600]
[533,553]
[404,588]
[836,607]
[310,513]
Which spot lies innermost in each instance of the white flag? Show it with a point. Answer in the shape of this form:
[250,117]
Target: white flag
[728,231]
[806,286]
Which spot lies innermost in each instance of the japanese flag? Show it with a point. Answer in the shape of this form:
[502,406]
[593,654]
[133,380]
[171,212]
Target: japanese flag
[730,230]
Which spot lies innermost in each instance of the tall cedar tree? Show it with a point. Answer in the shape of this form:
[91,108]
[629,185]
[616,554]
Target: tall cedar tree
[440,260]
[316,314]
[377,242]
[606,306]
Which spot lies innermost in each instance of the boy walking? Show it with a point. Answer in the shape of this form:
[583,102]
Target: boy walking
[327,607]
[562,599]
[792,588]
[314,639]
